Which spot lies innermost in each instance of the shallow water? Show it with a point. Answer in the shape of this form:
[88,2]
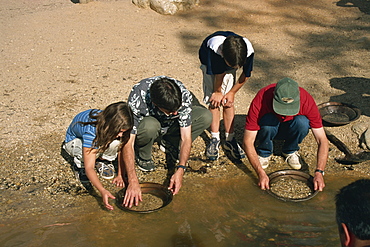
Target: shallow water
[207,212]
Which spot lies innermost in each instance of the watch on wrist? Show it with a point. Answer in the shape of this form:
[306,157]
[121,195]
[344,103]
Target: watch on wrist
[321,171]
[180,166]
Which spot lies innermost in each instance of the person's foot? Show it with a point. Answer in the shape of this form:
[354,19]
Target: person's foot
[81,175]
[145,165]
[235,150]
[105,169]
[213,148]
[264,161]
[293,160]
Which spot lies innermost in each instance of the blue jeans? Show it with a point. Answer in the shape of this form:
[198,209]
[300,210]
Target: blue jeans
[292,132]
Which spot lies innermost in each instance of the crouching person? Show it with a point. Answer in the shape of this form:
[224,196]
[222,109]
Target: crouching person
[163,110]
[94,139]
[283,111]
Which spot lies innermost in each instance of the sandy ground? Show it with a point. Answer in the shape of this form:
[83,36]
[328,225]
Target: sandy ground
[59,58]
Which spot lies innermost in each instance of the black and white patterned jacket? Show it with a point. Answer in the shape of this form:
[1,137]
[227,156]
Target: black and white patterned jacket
[141,104]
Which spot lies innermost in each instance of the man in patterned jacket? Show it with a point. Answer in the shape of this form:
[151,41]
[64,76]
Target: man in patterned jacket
[163,109]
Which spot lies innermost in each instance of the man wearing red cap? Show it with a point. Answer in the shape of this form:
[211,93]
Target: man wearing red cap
[283,111]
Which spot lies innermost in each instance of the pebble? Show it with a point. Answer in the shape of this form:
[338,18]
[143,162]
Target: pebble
[46,174]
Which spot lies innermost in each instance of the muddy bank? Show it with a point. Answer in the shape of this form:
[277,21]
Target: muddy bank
[41,180]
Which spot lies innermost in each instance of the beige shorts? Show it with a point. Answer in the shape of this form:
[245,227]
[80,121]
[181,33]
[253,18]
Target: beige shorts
[208,83]
[74,149]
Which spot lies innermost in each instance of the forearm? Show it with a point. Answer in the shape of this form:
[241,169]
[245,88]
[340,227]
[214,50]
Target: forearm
[323,147]
[322,156]
[128,162]
[263,179]
[89,156]
[185,148]
[133,191]
[217,84]
[176,178]
[91,174]
[248,145]
[120,164]
[241,81]
[252,156]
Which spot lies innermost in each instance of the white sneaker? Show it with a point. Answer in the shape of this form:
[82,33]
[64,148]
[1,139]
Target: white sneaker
[293,160]
[105,169]
[264,161]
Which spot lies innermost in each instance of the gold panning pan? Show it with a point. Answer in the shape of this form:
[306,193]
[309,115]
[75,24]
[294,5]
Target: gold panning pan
[155,196]
[291,185]
[337,113]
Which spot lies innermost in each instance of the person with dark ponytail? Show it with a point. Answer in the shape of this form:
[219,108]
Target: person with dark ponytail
[94,139]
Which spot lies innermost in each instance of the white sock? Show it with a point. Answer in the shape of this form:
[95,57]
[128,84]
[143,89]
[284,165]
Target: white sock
[229,136]
[215,135]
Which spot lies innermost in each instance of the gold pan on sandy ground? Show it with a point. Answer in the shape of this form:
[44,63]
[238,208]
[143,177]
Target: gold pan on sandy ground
[336,113]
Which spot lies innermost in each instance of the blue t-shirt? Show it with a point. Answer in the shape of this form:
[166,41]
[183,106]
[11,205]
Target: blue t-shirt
[84,132]
[210,54]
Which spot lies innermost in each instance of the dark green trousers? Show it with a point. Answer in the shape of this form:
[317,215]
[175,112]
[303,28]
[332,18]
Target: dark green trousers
[149,131]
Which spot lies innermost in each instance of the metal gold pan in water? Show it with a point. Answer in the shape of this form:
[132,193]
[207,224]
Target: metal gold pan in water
[155,189]
[296,175]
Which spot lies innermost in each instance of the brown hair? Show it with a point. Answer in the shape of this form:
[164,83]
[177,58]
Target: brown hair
[109,123]
[234,51]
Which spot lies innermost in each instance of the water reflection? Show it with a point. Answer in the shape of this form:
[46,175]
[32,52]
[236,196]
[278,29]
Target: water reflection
[207,212]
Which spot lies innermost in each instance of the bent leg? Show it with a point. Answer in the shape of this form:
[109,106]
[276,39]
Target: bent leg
[296,130]
[228,112]
[228,115]
[148,130]
[269,129]
[201,119]
[111,153]
[74,149]
[215,124]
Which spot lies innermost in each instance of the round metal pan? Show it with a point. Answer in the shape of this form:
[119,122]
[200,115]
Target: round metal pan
[337,114]
[292,174]
[155,189]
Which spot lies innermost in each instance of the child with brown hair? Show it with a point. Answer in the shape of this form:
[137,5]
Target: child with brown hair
[94,139]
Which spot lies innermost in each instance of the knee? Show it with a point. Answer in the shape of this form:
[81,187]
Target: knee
[301,122]
[269,124]
[150,126]
[206,118]
[269,120]
[203,117]
[74,144]
[268,129]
